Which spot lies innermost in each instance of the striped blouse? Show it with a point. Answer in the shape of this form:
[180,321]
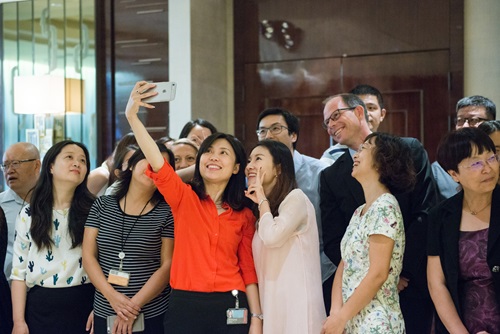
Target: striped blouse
[142,248]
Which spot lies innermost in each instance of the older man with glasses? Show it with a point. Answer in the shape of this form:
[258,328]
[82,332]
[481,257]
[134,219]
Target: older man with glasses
[471,112]
[21,169]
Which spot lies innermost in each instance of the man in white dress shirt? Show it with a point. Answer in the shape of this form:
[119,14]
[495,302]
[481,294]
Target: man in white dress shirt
[21,169]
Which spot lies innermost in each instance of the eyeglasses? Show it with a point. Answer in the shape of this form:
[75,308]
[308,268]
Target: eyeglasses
[480,164]
[14,164]
[335,116]
[473,121]
[274,129]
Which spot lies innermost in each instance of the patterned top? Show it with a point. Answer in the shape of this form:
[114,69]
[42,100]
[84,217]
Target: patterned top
[382,314]
[57,267]
[479,305]
[142,249]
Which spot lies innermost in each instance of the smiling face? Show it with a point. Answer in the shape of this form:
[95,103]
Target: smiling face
[284,137]
[185,155]
[70,165]
[348,128]
[364,167]
[477,180]
[261,159]
[218,163]
[375,114]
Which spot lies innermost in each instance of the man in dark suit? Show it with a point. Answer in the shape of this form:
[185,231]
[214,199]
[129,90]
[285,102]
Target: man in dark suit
[340,194]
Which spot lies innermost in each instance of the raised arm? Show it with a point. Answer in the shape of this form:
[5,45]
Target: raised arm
[146,143]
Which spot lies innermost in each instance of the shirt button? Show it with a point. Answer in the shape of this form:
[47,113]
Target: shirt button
[495,269]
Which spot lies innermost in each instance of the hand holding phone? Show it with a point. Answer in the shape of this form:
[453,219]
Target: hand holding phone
[166,92]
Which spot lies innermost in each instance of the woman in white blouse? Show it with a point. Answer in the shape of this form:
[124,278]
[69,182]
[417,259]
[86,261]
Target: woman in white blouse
[285,245]
[47,248]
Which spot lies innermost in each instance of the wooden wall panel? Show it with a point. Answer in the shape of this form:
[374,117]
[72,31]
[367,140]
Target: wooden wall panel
[411,50]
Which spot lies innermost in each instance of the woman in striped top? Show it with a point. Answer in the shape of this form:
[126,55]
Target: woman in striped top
[130,233]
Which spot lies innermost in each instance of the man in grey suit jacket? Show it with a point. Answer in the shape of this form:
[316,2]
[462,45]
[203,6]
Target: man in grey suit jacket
[341,194]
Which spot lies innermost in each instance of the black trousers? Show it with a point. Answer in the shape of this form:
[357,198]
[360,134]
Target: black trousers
[59,310]
[203,313]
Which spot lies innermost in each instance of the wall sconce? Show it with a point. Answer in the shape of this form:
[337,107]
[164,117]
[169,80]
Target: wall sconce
[43,96]
[284,33]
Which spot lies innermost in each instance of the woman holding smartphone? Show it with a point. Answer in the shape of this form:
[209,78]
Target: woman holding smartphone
[48,247]
[213,278]
[127,252]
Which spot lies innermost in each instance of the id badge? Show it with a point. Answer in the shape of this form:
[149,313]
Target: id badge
[237,316]
[118,277]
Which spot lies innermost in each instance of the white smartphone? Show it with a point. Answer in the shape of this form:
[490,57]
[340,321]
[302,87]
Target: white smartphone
[166,92]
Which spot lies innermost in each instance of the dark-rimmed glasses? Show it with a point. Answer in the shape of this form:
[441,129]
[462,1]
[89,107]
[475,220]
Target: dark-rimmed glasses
[335,116]
[274,129]
[15,164]
[472,121]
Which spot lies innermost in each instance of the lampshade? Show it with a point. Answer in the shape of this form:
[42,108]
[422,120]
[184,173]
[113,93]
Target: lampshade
[47,94]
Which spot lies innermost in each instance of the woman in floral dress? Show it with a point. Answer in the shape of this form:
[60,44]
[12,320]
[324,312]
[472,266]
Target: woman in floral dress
[365,294]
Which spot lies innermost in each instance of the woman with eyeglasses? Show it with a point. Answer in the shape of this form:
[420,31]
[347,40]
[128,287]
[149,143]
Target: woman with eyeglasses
[463,267]
[365,289]
[51,291]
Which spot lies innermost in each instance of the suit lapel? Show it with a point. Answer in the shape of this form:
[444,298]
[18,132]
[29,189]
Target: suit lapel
[351,184]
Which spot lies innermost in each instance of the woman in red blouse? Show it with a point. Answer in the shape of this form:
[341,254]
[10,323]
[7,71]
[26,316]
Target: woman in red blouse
[213,280]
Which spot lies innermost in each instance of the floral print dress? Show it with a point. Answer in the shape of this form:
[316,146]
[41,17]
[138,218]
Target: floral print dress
[382,314]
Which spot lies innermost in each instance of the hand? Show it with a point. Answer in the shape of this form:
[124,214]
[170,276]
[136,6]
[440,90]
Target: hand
[403,283]
[90,323]
[255,190]
[334,324]
[255,326]
[123,306]
[121,326]
[20,328]
[140,91]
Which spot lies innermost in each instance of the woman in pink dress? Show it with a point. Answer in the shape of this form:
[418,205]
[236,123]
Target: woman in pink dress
[285,244]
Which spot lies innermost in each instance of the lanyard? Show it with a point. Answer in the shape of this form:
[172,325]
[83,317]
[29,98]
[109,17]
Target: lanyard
[121,254]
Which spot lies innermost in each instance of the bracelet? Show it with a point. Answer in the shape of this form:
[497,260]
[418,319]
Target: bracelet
[262,201]
[258,315]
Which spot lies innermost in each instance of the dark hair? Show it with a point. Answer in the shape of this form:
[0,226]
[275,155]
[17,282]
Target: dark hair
[125,177]
[368,90]
[163,140]
[351,100]
[234,194]
[478,101]
[191,124]
[292,122]
[460,144]
[120,157]
[394,163]
[126,140]
[42,201]
[285,180]
[489,127]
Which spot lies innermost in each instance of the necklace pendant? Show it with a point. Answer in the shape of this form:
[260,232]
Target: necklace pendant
[473,213]
[121,255]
